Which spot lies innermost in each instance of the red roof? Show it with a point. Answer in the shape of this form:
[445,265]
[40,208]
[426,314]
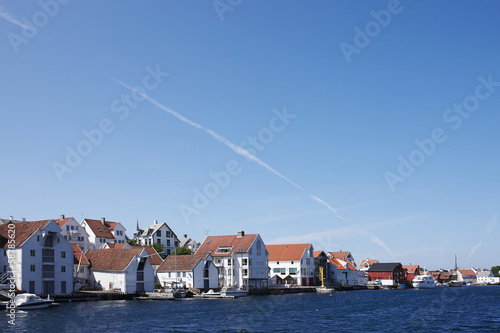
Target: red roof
[78,255]
[467,272]
[181,263]
[101,230]
[339,255]
[111,259]
[62,222]
[317,253]
[411,269]
[23,231]
[286,252]
[336,263]
[369,262]
[235,244]
[155,258]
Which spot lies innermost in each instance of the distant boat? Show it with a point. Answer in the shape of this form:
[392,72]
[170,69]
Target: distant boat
[31,301]
[424,282]
[233,292]
[323,289]
[455,283]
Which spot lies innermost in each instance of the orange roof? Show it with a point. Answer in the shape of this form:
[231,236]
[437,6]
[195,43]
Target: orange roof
[24,230]
[411,269]
[339,255]
[78,255]
[62,222]
[467,272]
[369,262]
[317,253]
[111,259]
[181,263]
[155,259]
[101,230]
[336,263]
[286,252]
[351,265]
[234,243]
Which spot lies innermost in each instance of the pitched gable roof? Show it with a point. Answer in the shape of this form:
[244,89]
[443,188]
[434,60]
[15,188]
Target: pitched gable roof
[236,243]
[340,255]
[101,230]
[318,253]
[336,263]
[62,222]
[384,266]
[467,272]
[369,262]
[112,259]
[23,231]
[181,263]
[154,258]
[79,256]
[411,269]
[286,252]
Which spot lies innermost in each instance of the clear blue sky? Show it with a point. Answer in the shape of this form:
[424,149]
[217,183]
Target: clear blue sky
[353,93]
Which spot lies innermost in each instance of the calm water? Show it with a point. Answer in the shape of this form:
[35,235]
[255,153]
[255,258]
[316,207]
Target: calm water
[468,309]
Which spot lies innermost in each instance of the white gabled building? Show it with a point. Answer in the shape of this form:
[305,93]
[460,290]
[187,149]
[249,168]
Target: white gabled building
[242,259]
[40,259]
[73,232]
[157,233]
[125,270]
[81,269]
[291,264]
[189,243]
[195,270]
[102,231]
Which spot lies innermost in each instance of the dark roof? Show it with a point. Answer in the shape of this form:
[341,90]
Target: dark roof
[101,230]
[384,266]
[23,231]
[181,263]
[112,259]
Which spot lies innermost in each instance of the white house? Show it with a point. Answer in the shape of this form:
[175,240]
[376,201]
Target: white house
[189,243]
[102,231]
[366,264]
[81,269]
[126,270]
[157,233]
[196,270]
[73,232]
[466,275]
[291,264]
[343,270]
[242,260]
[40,259]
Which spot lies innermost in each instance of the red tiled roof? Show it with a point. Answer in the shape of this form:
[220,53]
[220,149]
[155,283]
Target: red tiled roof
[286,252]
[155,258]
[62,222]
[78,255]
[339,255]
[237,244]
[411,269]
[101,230]
[351,265]
[317,253]
[181,263]
[111,259]
[467,272]
[336,263]
[23,231]
[370,262]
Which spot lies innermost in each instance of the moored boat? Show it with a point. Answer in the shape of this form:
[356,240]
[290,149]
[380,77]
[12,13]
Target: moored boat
[28,301]
[323,289]
[424,282]
[233,292]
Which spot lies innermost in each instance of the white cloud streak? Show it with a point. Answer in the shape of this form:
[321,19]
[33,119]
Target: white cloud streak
[6,16]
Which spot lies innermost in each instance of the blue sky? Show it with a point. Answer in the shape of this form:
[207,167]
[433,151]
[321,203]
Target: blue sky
[373,125]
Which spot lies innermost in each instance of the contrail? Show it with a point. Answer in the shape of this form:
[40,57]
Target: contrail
[5,15]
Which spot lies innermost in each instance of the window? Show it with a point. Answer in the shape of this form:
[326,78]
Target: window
[169,234]
[308,261]
[158,233]
[292,262]
[32,268]
[229,262]
[244,262]
[48,271]
[32,287]
[63,254]
[234,272]
[183,274]
[283,271]
[245,272]
[63,269]
[293,270]
[67,227]
[168,242]
[65,237]
[223,249]
[72,227]
[82,269]
[169,275]
[47,255]
[276,270]
[158,241]
[249,262]
[32,253]
[277,262]
[140,276]
[259,247]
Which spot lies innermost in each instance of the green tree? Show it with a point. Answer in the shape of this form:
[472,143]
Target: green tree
[132,242]
[159,248]
[496,270]
[182,250]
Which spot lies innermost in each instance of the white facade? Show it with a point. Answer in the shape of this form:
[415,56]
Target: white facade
[73,232]
[157,233]
[204,275]
[119,232]
[294,272]
[43,263]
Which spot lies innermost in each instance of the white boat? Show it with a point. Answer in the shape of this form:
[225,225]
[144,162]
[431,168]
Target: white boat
[424,282]
[31,301]
[233,292]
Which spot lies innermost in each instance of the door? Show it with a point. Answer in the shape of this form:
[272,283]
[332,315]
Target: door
[205,284]
[48,288]
[32,287]
[304,281]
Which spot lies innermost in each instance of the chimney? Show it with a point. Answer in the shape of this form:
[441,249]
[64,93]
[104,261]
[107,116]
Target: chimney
[185,236]
[103,220]
[62,217]
[23,219]
[155,222]
[241,233]
[11,218]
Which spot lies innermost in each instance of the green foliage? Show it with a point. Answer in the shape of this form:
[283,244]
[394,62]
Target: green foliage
[158,247]
[132,242]
[157,286]
[182,250]
[496,271]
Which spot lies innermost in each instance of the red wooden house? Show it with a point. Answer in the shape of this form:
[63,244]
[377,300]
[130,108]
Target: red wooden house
[390,273]
[411,271]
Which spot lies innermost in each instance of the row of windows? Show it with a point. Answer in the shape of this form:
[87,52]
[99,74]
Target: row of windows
[46,268]
[283,270]
[47,254]
[78,238]
[72,227]
[167,233]
[176,274]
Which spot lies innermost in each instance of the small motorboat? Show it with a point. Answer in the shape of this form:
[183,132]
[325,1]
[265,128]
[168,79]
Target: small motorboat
[28,301]
[233,292]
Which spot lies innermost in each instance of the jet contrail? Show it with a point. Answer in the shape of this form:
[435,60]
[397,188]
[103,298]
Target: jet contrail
[6,16]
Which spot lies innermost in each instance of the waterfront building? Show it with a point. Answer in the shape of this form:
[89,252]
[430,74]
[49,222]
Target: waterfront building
[102,231]
[189,243]
[242,259]
[291,264]
[466,275]
[195,270]
[389,273]
[73,232]
[125,270]
[320,260]
[81,269]
[343,270]
[412,271]
[42,260]
[157,233]
[366,264]
[343,255]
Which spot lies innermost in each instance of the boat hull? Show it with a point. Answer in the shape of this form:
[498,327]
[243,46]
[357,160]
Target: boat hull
[35,305]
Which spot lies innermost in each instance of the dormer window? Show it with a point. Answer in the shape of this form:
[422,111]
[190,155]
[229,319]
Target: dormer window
[224,249]
[99,229]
